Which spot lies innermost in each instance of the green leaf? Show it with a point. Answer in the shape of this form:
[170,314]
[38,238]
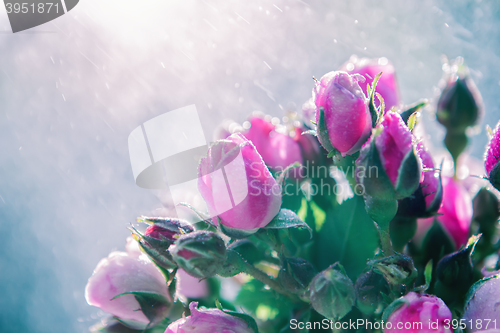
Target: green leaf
[253,296]
[284,174]
[154,306]
[348,236]
[428,278]
[394,306]
[287,219]
[405,115]
[408,175]
[382,105]
[322,131]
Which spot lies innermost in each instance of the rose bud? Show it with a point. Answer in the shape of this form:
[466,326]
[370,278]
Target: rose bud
[417,313]
[482,302]
[492,158]
[460,104]
[332,292]
[256,194]
[210,320]
[459,107]
[372,292]
[126,282]
[201,253]
[159,236]
[455,273]
[485,218]
[342,113]
[387,85]
[166,229]
[388,167]
[190,286]
[296,274]
[426,200]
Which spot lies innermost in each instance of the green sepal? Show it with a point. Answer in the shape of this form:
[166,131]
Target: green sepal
[322,132]
[397,269]
[154,306]
[172,287]
[284,174]
[412,110]
[375,114]
[248,319]
[235,233]
[412,121]
[156,250]
[393,307]
[378,185]
[427,277]
[408,175]
[234,264]
[438,198]
[287,219]
[296,274]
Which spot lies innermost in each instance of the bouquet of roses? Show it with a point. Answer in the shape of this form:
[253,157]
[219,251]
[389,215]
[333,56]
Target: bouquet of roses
[339,220]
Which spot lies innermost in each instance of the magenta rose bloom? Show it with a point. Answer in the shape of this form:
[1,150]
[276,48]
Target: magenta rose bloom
[209,320]
[278,150]
[123,272]
[415,312]
[387,85]
[454,215]
[482,304]
[255,196]
[492,158]
[347,117]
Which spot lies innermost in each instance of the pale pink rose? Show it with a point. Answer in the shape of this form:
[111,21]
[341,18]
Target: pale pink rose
[190,286]
[122,272]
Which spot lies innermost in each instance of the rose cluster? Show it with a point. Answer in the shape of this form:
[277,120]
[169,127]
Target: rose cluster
[408,247]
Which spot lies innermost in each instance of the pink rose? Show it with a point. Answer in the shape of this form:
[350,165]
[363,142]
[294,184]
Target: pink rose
[387,85]
[482,304]
[209,321]
[278,150]
[190,286]
[123,272]
[255,195]
[347,117]
[415,314]
[454,216]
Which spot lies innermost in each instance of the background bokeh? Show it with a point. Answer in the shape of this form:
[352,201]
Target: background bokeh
[73,89]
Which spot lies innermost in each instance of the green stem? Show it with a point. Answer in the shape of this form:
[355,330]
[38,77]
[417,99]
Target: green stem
[266,279]
[385,241]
